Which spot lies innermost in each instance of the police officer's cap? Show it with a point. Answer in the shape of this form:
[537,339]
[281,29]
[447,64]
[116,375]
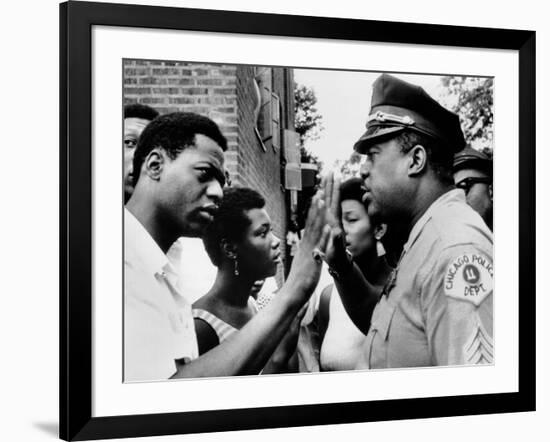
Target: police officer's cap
[397,106]
[469,158]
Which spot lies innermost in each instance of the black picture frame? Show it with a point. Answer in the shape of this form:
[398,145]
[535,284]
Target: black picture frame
[76,21]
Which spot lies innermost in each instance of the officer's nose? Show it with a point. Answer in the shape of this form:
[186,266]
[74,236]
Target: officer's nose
[364,171]
[276,242]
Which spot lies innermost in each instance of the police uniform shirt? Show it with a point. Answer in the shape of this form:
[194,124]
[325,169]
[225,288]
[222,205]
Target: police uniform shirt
[437,308]
[158,322]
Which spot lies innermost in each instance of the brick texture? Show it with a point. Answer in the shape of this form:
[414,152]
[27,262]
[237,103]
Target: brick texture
[258,167]
[226,94]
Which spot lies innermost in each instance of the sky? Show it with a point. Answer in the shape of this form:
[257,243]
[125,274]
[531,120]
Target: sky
[343,100]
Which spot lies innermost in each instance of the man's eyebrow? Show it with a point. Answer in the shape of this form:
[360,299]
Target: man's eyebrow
[218,174]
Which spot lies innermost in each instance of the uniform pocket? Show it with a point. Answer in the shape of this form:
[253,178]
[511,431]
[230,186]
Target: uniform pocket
[381,323]
[379,333]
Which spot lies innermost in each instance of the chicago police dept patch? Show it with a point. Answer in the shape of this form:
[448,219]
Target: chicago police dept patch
[469,277]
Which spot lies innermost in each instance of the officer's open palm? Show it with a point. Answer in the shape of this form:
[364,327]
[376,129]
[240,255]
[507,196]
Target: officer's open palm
[332,244]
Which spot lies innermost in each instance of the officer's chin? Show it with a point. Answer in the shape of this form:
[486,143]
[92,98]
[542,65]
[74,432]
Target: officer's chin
[128,190]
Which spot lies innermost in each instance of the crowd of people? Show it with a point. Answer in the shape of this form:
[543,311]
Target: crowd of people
[404,253]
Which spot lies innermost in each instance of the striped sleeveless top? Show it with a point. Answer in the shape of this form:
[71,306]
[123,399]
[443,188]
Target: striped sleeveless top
[223,329]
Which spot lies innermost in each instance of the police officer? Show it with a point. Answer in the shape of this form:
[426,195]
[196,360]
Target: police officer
[437,307]
[473,173]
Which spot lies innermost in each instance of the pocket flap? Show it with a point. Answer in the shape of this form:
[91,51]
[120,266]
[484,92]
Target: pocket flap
[382,318]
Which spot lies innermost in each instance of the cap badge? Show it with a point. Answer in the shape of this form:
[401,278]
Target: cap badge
[383,117]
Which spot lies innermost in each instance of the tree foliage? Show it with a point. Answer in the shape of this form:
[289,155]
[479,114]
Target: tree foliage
[308,123]
[472,99]
[352,166]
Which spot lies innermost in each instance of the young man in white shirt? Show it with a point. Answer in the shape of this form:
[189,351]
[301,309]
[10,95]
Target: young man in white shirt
[178,178]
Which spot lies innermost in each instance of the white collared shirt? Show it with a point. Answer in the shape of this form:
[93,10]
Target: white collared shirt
[158,322]
[196,272]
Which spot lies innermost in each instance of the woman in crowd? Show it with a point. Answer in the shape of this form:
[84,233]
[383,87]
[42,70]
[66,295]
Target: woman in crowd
[341,340]
[241,244]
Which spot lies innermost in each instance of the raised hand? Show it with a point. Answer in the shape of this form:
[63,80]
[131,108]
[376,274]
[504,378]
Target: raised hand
[332,244]
[305,269]
[330,186]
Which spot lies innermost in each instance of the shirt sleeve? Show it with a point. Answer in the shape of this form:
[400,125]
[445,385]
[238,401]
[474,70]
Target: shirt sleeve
[457,305]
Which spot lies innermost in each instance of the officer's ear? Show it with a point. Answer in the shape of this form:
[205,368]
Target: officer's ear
[154,163]
[418,160]
[380,230]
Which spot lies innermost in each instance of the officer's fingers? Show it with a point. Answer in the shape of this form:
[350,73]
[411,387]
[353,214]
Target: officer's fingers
[337,239]
[313,209]
[329,183]
[323,183]
[322,188]
[339,234]
[325,237]
[319,219]
[335,199]
[316,220]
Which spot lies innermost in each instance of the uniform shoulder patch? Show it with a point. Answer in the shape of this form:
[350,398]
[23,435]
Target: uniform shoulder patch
[469,277]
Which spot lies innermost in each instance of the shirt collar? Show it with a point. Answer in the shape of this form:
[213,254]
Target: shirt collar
[447,197]
[139,246]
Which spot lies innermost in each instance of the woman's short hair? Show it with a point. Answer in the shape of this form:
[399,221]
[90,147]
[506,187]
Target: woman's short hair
[352,189]
[230,221]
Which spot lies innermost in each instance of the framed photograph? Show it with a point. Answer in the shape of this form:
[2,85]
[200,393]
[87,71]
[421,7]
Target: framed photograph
[253,75]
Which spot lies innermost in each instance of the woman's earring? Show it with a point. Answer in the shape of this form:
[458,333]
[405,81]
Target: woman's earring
[380,250]
[380,232]
[235,267]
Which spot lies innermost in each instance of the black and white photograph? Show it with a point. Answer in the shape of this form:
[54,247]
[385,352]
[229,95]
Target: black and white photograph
[286,220]
[275,221]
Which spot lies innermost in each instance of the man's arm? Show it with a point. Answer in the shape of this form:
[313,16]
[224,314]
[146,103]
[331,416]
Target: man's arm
[248,350]
[359,297]
[283,359]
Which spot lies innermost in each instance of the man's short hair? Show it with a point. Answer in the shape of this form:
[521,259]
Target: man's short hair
[173,133]
[140,111]
[230,221]
[440,159]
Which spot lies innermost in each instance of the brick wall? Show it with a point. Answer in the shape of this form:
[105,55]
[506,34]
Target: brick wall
[171,86]
[259,166]
[226,94]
